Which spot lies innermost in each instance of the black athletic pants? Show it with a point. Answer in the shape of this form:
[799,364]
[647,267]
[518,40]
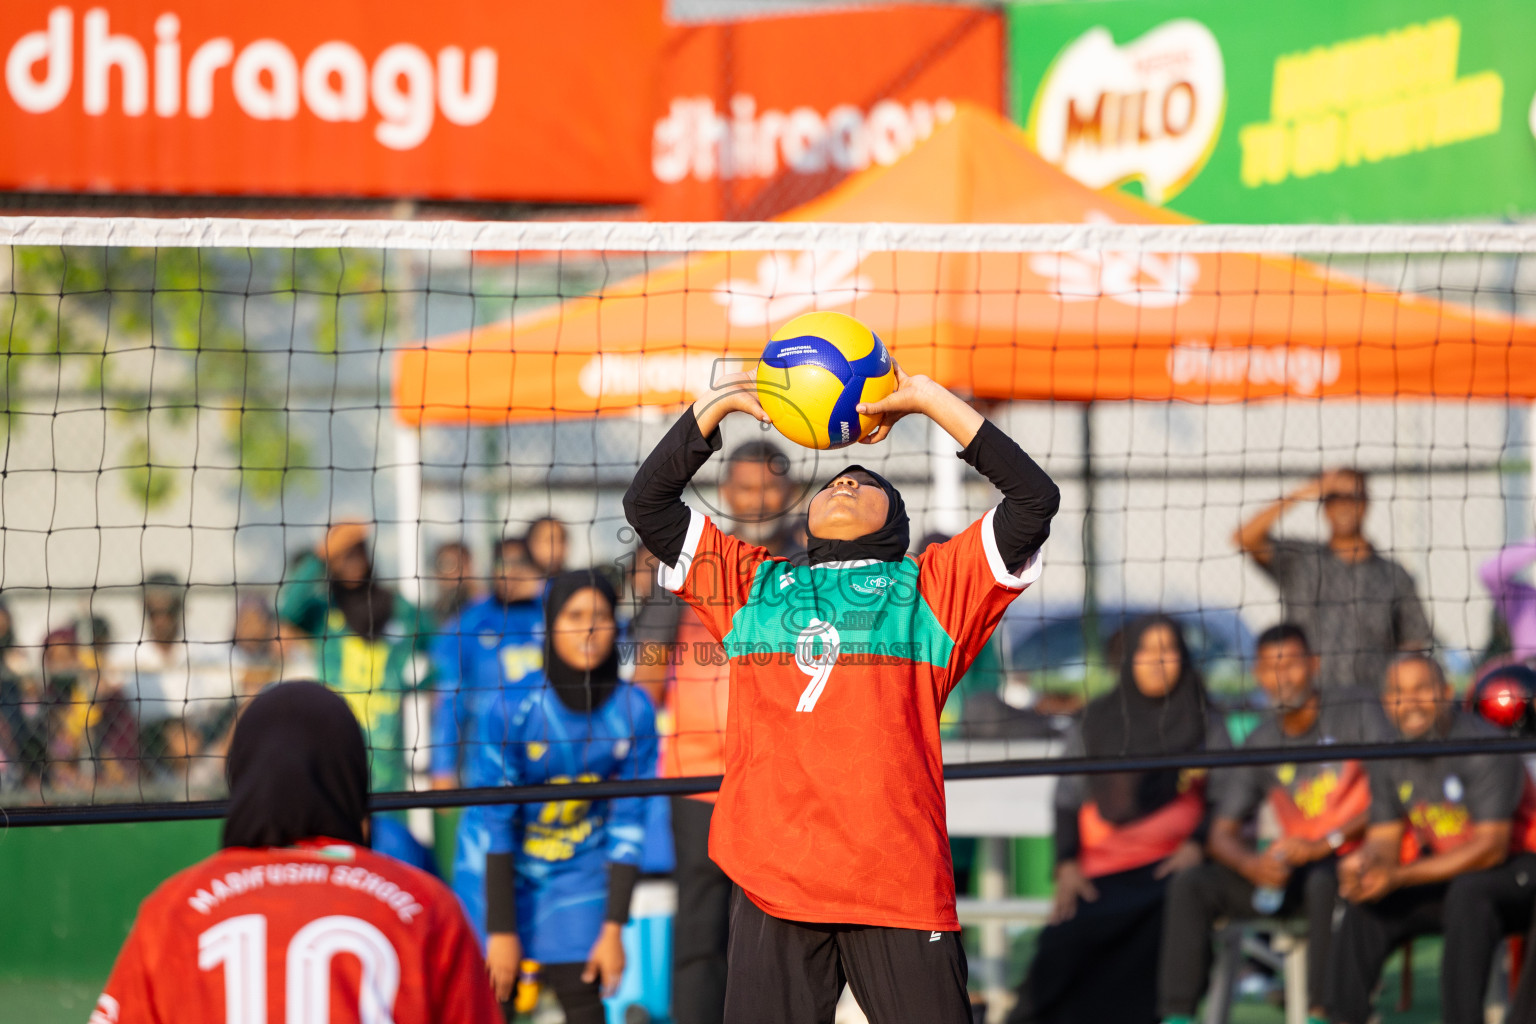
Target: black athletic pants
[787,972]
[1100,965]
[1522,1007]
[702,926]
[1474,911]
[1197,898]
[581,1000]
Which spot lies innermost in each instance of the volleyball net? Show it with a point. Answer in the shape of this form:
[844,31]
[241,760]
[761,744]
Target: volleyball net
[202,417]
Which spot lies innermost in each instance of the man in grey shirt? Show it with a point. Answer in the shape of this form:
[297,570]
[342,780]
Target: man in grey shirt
[1359,607]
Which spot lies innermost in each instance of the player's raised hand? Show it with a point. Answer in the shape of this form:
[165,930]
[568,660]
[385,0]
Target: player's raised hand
[606,961]
[911,395]
[1329,482]
[503,958]
[916,393]
[732,392]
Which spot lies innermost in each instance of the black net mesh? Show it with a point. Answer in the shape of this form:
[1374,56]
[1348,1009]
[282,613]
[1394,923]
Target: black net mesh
[210,453]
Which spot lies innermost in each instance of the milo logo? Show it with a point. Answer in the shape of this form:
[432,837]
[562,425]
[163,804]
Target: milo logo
[1149,109]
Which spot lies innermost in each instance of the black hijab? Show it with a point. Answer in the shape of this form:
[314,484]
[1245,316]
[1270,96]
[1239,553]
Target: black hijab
[578,689]
[367,606]
[298,769]
[1126,721]
[887,544]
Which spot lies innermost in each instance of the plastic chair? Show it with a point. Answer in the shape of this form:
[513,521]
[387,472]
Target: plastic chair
[1286,951]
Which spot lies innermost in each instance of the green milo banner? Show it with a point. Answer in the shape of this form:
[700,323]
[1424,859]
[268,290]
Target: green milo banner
[1290,111]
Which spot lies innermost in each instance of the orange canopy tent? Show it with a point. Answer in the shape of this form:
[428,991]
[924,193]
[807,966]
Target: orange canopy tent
[1209,327]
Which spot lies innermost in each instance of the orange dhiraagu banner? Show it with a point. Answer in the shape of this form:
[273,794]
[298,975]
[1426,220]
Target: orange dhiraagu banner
[483,99]
[1074,326]
[757,116]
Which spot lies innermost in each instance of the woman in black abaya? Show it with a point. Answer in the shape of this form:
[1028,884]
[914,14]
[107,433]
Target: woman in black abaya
[1120,836]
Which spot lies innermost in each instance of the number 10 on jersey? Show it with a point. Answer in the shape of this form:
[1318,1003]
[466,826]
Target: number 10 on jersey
[239,945]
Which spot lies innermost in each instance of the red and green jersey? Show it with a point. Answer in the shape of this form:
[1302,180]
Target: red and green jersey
[323,931]
[832,808]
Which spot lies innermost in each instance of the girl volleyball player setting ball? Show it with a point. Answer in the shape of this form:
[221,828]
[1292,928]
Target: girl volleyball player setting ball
[831,819]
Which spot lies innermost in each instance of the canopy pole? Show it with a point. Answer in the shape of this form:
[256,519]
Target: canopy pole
[1091,640]
[946,491]
[416,709]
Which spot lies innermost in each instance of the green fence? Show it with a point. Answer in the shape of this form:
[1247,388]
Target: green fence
[71,893]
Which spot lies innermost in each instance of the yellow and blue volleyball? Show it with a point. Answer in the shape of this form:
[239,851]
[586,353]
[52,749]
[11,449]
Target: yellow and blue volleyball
[816,371]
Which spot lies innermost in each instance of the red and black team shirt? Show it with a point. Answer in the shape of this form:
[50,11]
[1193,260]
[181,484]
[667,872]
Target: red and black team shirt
[324,931]
[1441,798]
[1311,799]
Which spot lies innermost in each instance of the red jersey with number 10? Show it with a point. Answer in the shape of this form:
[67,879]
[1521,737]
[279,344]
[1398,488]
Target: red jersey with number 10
[832,809]
[324,931]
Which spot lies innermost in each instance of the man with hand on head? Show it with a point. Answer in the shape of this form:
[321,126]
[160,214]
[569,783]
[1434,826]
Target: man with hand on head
[1449,849]
[1359,608]
[295,918]
[1322,810]
[831,818]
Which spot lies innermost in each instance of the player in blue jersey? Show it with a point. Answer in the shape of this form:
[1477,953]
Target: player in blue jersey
[559,875]
[494,642]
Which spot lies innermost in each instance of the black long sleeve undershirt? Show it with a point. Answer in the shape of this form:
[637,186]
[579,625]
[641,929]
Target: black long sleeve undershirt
[654,502]
[1030,496]
[621,889]
[501,893]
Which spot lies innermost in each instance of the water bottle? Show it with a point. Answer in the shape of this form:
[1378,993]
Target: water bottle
[526,999]
[1267,900]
